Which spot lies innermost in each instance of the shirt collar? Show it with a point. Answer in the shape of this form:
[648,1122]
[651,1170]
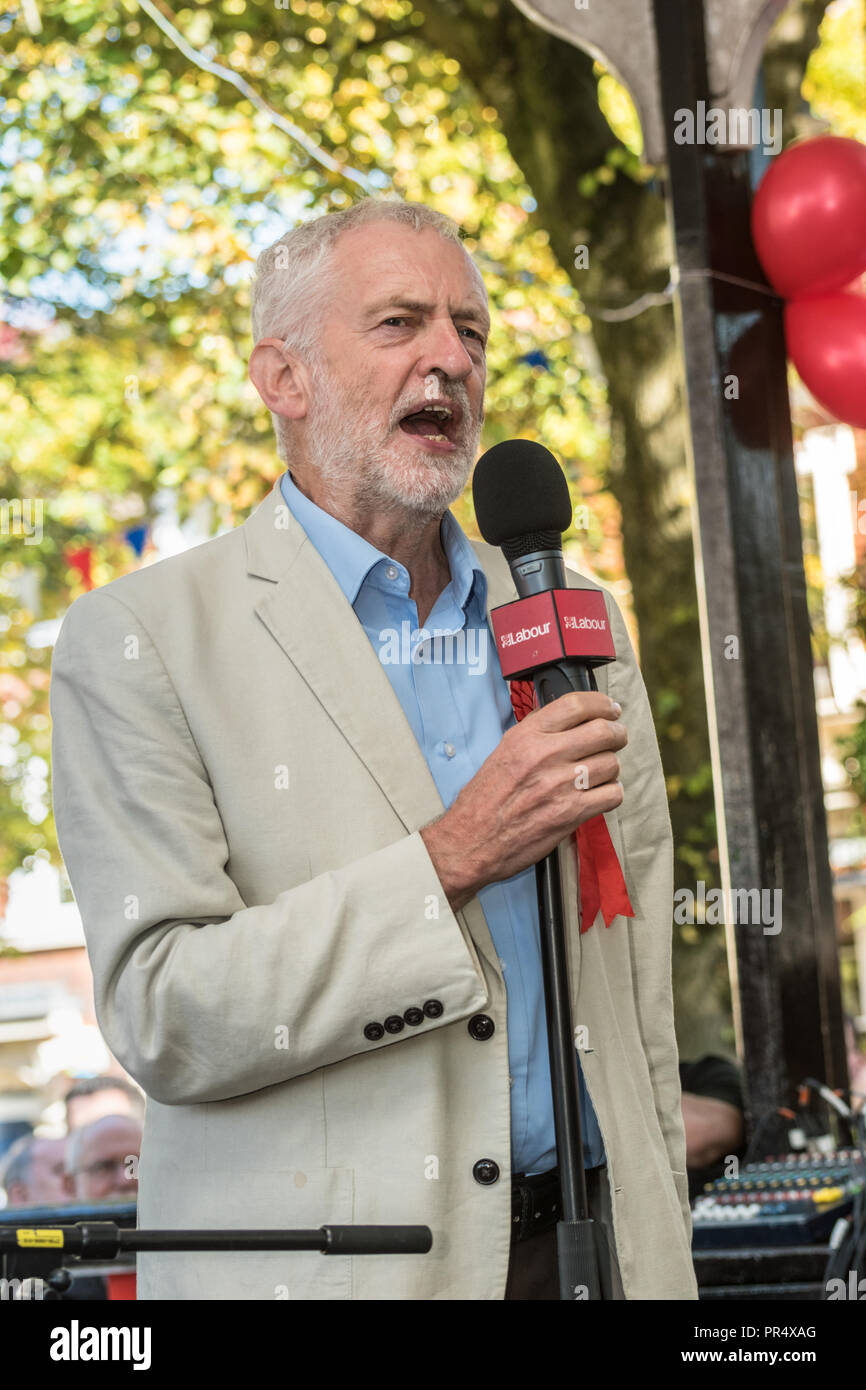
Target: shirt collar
[351,558]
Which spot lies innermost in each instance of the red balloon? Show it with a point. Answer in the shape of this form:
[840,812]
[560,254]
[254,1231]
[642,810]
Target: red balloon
[809,216]
[826,338]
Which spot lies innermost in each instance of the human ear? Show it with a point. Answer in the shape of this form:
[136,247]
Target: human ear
[280,378]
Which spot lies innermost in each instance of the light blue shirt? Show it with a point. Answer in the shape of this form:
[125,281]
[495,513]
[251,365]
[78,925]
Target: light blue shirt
[458,705]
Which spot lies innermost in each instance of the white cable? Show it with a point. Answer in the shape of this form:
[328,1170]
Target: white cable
[240,84]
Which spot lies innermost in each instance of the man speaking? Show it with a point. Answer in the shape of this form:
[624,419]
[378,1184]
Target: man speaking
[303,849]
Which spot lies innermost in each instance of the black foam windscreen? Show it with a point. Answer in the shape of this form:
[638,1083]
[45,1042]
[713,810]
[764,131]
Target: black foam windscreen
[519,489]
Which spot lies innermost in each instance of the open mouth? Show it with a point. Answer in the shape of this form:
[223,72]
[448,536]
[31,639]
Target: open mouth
[437,423]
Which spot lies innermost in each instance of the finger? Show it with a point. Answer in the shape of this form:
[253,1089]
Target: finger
[599,735]
[575,708]
[600,799]
[595,771]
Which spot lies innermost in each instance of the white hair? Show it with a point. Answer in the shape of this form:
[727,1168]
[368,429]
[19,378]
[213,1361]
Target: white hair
[294,277]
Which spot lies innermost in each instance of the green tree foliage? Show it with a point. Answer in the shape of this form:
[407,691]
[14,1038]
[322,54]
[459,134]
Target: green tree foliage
[135,191]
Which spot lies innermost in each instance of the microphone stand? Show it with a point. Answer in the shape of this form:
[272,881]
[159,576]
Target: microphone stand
[32,1250]
[581,1246]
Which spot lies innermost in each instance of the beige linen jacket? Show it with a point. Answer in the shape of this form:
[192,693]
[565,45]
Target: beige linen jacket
[238,797]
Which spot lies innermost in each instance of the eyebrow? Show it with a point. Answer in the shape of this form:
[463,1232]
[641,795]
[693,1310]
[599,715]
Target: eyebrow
[398,301]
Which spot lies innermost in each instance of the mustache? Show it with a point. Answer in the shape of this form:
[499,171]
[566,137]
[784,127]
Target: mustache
[354,405]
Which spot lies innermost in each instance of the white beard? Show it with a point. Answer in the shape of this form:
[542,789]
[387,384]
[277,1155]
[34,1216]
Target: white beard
[345,439]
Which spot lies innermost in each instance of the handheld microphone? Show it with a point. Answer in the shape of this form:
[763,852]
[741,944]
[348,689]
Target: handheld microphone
[553,634]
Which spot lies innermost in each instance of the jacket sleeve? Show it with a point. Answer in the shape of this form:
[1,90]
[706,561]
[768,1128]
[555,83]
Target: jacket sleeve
[649,867]
[199,996]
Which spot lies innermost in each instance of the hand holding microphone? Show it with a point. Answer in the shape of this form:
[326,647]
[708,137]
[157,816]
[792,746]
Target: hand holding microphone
[558,767]
[528,797]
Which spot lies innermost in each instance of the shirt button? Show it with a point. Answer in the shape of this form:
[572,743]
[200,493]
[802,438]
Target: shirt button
[485,1171]
[391,571]
[449,750]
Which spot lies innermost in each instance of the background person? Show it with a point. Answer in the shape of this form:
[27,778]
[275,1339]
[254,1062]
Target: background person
[102,1160]
[94,1096]
[32,1172]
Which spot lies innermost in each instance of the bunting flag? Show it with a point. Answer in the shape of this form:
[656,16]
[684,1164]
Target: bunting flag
[80,558]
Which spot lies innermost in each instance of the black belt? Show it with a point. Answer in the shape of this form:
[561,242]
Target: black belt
[536,1203]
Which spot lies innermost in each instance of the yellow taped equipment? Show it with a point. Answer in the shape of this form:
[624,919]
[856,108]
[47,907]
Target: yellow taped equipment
[45,1238]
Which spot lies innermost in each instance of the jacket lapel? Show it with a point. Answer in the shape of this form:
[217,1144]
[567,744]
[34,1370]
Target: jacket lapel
[306,612]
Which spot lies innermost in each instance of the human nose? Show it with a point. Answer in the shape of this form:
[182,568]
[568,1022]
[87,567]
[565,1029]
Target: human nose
[444,350]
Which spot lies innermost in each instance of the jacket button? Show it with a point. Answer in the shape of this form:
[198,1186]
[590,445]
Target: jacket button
[374,1031]
[413,1017]
[394,1024]
[481,1027]
[433,1008]
[485,1171]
